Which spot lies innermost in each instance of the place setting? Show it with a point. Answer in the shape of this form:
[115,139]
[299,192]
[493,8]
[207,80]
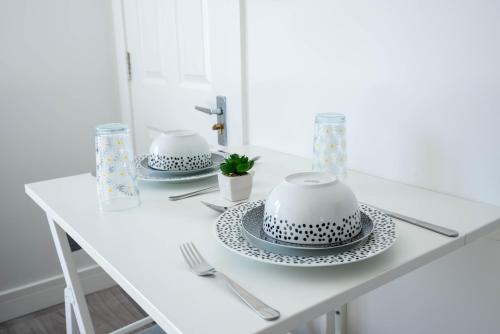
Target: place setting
[178,156]
[311,219]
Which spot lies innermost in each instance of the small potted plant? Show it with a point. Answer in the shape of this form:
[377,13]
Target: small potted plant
[235,180]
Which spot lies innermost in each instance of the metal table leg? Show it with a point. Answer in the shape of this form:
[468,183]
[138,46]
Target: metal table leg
[336,321]
[329,324]
[341,319]
[76,305]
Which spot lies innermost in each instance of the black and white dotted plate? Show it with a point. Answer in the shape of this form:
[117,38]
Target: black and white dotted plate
[150,174]
[217,159]
[228,232]
[252,229]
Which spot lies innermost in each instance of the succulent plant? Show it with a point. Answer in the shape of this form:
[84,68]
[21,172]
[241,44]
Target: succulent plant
[236,165]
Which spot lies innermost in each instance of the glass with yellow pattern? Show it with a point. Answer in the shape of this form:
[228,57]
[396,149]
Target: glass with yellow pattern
[329,151]
[115,171]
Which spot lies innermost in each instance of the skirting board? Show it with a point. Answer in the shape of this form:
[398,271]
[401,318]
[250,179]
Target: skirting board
[494,235]
[39,295]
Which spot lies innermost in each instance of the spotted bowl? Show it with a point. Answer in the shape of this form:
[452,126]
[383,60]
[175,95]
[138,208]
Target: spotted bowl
[179,150]
[312,208]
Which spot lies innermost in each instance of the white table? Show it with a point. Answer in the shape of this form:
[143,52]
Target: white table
[139,249]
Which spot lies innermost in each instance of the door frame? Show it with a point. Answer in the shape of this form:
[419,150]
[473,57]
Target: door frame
[121,51]
[124,86]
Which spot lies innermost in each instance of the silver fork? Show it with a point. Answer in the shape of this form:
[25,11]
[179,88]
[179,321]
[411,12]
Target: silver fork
[200,267]
[221,208]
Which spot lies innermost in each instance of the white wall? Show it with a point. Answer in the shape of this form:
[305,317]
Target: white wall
[57,80]
[419,83]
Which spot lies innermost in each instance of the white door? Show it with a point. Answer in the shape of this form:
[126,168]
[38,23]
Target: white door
[183,53]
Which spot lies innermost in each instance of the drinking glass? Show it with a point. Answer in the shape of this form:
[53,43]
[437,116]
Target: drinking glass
[329,150]
[115,171]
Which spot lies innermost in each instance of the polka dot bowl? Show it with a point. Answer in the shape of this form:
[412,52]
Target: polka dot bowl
[312,208]
[179,150]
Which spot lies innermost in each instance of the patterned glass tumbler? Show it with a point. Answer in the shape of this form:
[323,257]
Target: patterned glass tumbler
[115,171]
[329,151]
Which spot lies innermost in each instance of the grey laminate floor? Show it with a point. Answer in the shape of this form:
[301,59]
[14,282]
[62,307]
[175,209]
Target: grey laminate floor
[110,309]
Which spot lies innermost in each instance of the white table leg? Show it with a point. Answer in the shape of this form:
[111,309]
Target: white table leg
[341,319]
[74,292]
[71,325]
[329,324]
[336,321]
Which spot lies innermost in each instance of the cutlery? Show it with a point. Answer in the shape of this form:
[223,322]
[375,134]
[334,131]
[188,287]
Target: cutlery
[432,227]
[200,267]
[223,152]
[220,208]
[190,194]
[194,193]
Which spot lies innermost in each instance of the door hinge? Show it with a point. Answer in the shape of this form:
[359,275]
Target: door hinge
[129,67]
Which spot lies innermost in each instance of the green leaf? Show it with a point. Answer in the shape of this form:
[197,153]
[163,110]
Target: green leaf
[236,164]
[227,168]
[242,168]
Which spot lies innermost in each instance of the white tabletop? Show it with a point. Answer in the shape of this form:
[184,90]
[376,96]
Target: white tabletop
[138,248]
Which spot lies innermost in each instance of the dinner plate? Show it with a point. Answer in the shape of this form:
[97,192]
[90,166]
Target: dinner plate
[153,175]
[251,225]
[228,232]
[217,159]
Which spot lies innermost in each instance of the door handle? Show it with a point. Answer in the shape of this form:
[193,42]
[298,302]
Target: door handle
[220,111]
[216,111]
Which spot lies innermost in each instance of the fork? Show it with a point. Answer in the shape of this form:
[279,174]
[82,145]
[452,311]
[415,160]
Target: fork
[200,267]
[221,208]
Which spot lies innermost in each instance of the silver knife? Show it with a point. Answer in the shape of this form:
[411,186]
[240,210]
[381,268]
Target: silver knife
[194,193]
[432,227]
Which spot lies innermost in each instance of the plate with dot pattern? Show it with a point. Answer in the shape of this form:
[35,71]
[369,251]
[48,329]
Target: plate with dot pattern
[149,174]
[228,232]
[216,158]
[252,229]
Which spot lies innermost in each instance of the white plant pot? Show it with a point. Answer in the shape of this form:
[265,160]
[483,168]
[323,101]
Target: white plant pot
[235,188]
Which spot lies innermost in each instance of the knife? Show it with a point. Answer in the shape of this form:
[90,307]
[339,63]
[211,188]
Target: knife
[432,227]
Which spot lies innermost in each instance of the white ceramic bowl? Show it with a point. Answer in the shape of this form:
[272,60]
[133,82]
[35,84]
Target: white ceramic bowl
[179,150]
[312,208]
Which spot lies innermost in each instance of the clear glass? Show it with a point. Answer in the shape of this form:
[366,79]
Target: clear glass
[115,170]
[330,148]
